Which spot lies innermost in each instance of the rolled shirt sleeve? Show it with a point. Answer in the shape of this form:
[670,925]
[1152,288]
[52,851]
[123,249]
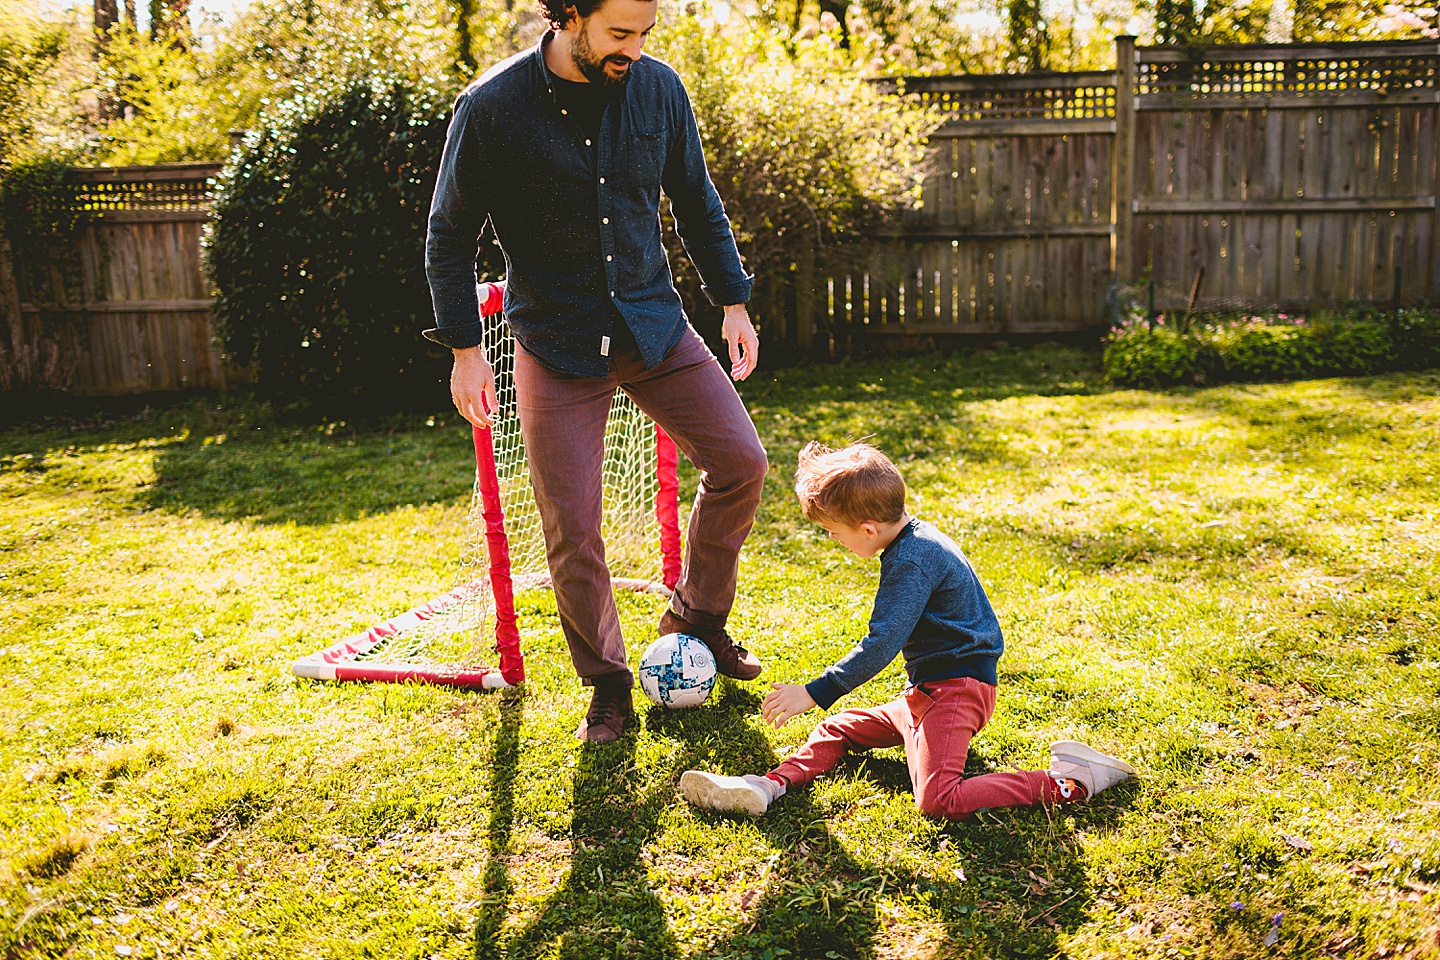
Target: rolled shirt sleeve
[458,212]
[699,213]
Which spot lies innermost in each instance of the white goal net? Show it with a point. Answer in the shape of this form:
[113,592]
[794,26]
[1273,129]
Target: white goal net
[467,636]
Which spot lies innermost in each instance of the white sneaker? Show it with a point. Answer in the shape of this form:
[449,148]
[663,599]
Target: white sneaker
[748,794]
[1096,771]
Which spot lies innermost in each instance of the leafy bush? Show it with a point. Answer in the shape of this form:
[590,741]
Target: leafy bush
[806,155]
[1256,350]
[1278,347]
[317,247]
[1162,357]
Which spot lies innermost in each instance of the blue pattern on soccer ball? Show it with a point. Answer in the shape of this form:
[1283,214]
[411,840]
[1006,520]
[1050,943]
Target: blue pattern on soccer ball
[666,682]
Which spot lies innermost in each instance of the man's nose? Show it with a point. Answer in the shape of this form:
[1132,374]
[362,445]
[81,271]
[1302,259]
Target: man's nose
[632,48]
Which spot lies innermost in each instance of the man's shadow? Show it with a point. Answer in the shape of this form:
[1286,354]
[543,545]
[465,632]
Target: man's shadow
[604,906]
[1023,879]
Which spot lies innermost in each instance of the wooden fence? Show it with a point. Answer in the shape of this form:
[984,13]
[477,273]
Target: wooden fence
[1251,177]
[1282,176]
[1246,177]
[129,312]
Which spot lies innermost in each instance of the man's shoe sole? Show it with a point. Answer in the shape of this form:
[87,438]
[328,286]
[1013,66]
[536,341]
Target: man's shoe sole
[1080,751]
[703,790]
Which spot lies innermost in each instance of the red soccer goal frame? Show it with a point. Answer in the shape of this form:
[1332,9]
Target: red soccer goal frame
[339,661]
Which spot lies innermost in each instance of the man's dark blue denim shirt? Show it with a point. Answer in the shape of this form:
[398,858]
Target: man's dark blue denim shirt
[579,223]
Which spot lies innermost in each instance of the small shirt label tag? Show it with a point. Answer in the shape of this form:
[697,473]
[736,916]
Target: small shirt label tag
[604,346]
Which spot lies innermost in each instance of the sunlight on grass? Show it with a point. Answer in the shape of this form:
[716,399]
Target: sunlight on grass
[1235,588]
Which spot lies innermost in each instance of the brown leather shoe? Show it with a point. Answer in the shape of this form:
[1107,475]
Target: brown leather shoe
[731,659]
[610,709]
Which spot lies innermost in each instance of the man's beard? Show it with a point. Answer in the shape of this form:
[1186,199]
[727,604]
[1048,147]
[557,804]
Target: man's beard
[592,66]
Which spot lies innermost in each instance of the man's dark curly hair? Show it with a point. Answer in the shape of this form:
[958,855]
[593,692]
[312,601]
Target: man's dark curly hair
[554,10]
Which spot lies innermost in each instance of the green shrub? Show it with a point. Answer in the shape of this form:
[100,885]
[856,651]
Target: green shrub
[1162,357]
[807,155]
[317,247]
[1354,345]
[1254,350]
[1279,347]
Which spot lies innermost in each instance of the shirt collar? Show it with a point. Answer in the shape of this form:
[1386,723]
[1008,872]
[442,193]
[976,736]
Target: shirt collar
[542,65]
[906,531]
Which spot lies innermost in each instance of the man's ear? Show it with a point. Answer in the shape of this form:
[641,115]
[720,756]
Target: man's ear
[572,15]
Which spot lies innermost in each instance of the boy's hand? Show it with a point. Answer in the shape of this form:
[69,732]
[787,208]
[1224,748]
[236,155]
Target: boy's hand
[786,700]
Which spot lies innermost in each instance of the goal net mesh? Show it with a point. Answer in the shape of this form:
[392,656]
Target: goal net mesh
[455,635]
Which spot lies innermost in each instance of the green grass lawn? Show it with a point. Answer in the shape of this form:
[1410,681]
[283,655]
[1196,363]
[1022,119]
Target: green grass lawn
[1234,588]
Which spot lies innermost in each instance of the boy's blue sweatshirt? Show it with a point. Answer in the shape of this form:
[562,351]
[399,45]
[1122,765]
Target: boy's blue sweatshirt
[930,607]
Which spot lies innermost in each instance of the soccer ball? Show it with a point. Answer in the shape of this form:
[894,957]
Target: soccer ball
[677,671]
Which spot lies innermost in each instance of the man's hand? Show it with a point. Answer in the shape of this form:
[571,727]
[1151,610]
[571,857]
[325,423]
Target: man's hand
[472,386]
[739,332]
[786,700]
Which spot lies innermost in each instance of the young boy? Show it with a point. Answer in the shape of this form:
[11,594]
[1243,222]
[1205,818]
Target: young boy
[930,608]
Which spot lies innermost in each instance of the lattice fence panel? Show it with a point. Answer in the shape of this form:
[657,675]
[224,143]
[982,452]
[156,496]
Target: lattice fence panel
[181,189]
[1261,76]
[1021,103]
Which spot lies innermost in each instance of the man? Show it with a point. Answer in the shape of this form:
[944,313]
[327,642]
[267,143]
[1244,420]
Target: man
[564,150]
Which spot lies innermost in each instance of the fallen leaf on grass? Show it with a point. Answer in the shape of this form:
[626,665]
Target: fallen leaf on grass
[1299,843]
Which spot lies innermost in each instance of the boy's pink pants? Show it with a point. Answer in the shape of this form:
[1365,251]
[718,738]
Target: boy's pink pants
[935,722]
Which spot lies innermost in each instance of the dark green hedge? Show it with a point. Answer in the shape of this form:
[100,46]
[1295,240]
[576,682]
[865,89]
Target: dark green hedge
[1279,347]
[317,249]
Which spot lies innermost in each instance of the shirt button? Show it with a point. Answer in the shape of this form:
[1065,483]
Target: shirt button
[602,179]
[612,293]
[608,258]
[564,113]
[587,143]
[604,219]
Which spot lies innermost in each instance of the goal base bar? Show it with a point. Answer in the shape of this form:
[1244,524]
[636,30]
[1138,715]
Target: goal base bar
[439,675]
[340,660]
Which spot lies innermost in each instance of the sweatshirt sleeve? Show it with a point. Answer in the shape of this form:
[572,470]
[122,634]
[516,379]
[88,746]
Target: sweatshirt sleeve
[899,603]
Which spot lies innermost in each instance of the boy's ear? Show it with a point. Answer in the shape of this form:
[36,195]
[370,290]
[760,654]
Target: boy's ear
[871,528]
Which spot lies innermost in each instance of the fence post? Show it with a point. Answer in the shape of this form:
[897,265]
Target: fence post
[805,301]
[1122,179]
[10,305]
[1433,293]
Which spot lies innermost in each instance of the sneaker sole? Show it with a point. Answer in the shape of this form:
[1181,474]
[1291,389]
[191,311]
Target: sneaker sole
[703,791]
[1080,751]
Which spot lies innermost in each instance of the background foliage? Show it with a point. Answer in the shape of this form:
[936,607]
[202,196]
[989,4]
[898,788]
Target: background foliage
[1216,349]
[316,245]
[806,155]
[125,94]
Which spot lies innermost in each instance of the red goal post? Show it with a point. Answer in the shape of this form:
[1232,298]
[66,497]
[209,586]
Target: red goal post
[441,641]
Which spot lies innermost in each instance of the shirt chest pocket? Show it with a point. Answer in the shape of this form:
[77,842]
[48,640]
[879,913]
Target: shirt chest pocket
[648,152]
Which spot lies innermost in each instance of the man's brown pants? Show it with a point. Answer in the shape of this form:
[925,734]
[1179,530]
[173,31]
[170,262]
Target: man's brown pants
[562,419]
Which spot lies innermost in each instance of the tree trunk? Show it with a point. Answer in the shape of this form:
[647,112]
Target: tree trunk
[170,20]
[107,15]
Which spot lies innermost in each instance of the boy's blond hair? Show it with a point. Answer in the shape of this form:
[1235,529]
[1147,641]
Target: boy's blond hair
[850,485]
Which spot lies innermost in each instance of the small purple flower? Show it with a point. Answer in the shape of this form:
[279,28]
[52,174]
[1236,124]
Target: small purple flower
[1275,920]
[1236,905]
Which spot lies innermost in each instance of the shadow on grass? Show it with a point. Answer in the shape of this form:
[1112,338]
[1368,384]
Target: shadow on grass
[497,889]
[819,901]
[604,907]
[305,477]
